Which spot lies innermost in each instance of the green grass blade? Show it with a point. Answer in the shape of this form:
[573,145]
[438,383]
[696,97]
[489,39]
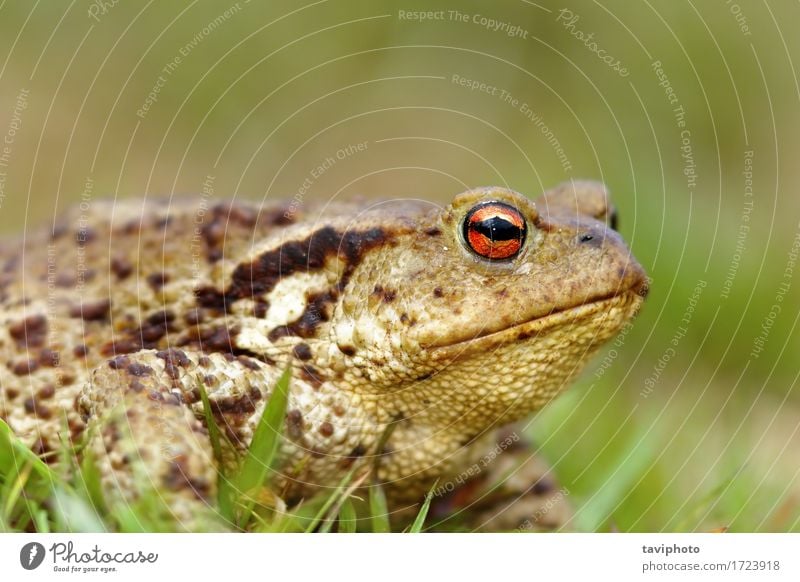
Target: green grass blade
[330,500]
[14,454]
[75,514]
[261,455]
[225,492]
[12,492]
[211,422]
[266,438]
[632,462]
[419,521]
[295,521]
[27,482]
[127,519]
[225,499]
[378,509]
[90,482]
[347,517]
[41,521]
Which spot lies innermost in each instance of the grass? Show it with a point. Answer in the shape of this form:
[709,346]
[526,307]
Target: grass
[678,461]
[622,478]
[631,475]
[35,496]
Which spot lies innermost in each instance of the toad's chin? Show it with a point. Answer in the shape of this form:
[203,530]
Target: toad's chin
[589,323]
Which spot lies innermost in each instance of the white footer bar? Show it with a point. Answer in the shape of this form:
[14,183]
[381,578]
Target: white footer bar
[447,557]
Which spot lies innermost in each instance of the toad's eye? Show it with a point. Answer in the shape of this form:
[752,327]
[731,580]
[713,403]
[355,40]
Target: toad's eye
[495,230]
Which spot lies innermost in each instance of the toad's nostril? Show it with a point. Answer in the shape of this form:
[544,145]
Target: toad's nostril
[584,238]
[613,220]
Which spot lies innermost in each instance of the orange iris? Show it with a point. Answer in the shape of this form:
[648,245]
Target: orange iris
[495,230]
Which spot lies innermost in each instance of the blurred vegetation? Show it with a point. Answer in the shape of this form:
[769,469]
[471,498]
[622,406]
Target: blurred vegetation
[265,92]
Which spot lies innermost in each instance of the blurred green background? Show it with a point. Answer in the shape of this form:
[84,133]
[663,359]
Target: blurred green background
[690,421]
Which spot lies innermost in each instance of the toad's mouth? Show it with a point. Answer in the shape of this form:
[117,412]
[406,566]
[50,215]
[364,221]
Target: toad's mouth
[598,319]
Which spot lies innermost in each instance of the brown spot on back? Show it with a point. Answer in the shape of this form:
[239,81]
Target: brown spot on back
[42,448]
[85,235]
[173,359]
[91,310]
[47,391]
[302,352]
[543,486]
[385,295]
[59,230]
[123,346]
[177,478]
[157,280]
[294,424]
[65,280]
[248,363]
[121,267]
[138,370]
[310,374]
[132,227]
[173,399]
[194,316]
[283,218]
[30,332]
[161,317]
[223,215]
[25,367]
[119,362]
[326,429]
[437,292]
[211,339]
[243,215]
[155,396]
[152,330]
[244,404]
[36,408]
[49,358]
[210,298]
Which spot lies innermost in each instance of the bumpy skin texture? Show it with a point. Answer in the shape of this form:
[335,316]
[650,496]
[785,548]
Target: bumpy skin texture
[113,316]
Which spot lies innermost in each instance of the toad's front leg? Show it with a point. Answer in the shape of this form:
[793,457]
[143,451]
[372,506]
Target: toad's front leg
[147,434]
[510,487]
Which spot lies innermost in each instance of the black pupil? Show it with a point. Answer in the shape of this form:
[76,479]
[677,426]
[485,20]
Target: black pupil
[498,229]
